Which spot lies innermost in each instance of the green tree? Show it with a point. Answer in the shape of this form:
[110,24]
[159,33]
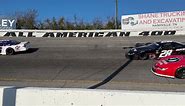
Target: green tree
[27,19]
[69,25]
[97,24]
[47,24]
[54,24]
[61,23]
[110,23]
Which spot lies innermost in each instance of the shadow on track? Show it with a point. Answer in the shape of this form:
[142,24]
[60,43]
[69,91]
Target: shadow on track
[109,78]
[30,50]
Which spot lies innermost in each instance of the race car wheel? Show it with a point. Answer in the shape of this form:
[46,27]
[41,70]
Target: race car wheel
[10,51]
[180,73]
[128,56]
[143,56]
[152,56]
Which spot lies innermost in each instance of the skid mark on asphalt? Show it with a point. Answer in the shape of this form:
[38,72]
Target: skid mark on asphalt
[59,72]
[109,78]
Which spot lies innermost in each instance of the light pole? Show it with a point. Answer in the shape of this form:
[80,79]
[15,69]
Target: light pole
[116,15]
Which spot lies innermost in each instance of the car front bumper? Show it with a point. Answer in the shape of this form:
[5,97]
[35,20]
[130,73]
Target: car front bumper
[154,71]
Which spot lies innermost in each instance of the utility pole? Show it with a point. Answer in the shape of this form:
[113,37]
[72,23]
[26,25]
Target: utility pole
[116,15]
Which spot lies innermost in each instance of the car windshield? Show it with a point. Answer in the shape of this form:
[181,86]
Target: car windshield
[9,42]
[153,45]
[13,42]
[178,45]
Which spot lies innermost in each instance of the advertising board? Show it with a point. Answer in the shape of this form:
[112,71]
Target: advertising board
[7,23]
[154,21]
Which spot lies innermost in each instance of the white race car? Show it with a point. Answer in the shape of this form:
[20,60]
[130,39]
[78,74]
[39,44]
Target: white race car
[10,47]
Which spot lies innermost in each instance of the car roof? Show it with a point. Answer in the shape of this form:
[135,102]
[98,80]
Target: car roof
[6,42]
[166,41]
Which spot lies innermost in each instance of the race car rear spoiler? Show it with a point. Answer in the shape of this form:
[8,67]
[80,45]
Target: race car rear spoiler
[127,47]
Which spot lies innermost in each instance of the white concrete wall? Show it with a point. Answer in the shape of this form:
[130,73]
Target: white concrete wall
[87,97]
[13,96]
[87,33]
[1,95]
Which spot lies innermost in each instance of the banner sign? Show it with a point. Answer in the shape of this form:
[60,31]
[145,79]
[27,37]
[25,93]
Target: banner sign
[154,21]
[65,34]
[7,23]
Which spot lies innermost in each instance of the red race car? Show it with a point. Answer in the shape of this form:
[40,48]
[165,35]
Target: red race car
[171,66]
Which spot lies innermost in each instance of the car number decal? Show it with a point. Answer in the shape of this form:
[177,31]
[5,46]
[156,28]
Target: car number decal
[17,47]
[165,53]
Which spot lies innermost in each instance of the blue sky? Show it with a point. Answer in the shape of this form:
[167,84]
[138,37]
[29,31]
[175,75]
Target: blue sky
[89,9]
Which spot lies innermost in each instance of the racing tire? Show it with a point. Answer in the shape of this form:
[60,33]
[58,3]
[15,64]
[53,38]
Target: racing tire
[128,57]
[10,51]
[180,73]
[143,56]
[152,56]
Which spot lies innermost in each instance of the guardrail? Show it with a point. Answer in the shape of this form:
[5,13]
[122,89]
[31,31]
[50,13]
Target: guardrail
[86,33]
[12,96]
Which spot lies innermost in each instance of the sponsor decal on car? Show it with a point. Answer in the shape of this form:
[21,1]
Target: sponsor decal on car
[172,60]
[180,49]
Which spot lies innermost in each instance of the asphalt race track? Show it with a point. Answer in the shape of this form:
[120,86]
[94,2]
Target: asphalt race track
[93,63]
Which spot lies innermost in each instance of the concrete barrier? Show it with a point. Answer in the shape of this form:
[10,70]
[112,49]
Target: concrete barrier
[7,96]
[86,33]
[12,96]
[1,95]
[89,97]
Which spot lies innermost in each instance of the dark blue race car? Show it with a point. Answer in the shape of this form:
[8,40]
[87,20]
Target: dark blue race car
[155,50]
